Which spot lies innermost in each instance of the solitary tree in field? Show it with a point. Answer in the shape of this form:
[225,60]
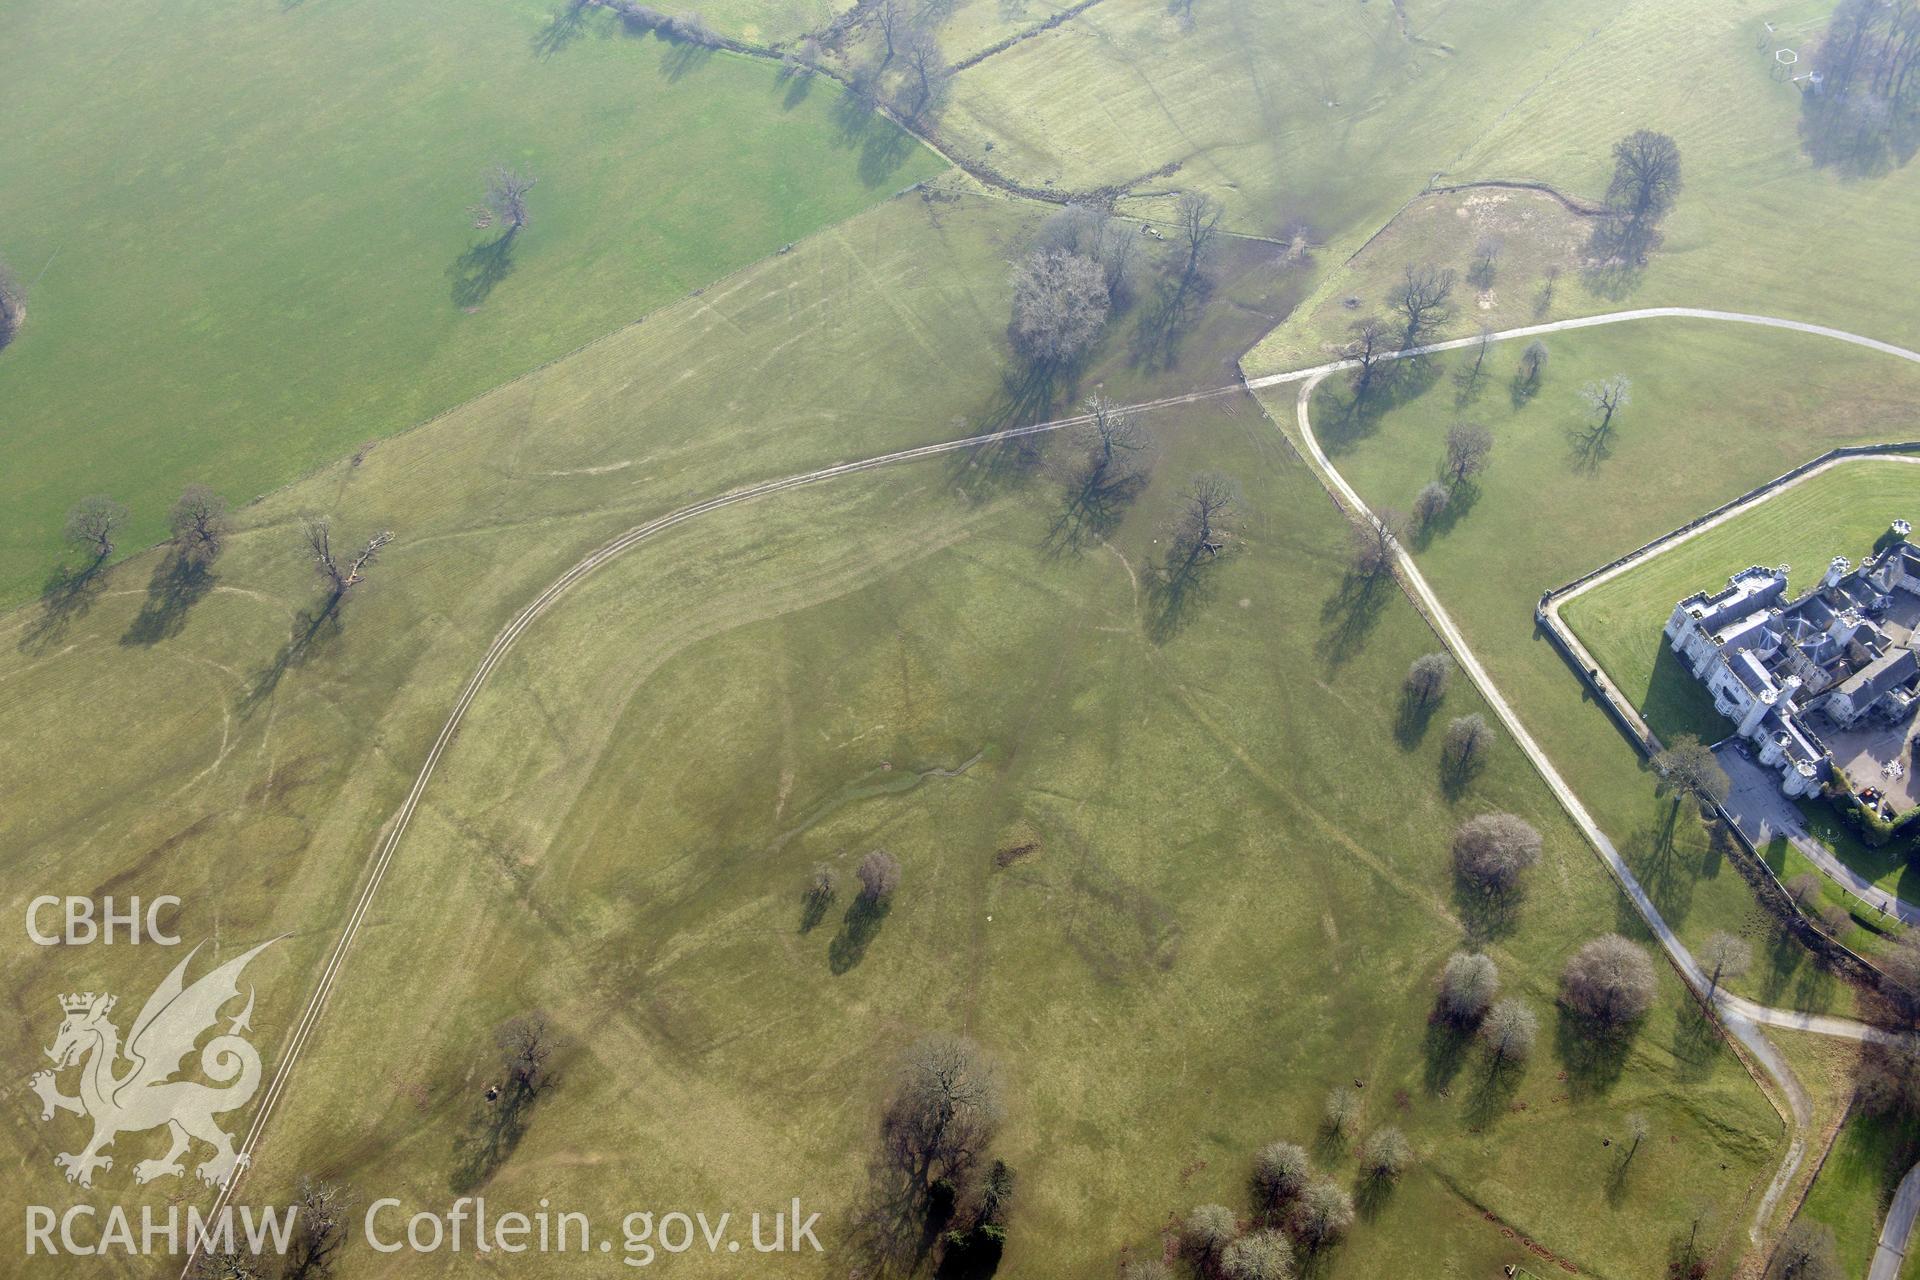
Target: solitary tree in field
[1205,505]
[320,1229]
[199,525]
[1372,343]
[1491,851]
[817,896]
[1646,177]
[1281,1172]
[506,197]
[1384,1156]
[943,1113]
[1724,956]
[91,526]
[340,573]
[1258,1255]
[1060,303]
[1486,261]
[1533,366]
[526,1046]
[879,876]
[1427,678]
[1605,399]
[1424,299]
[927,75]
[1197,216]
[1466,745]
[1341,1113]
[1116,442]
[1609,982]
[1469,445]
[1688,770]
[1321,1216]
[1206,1232]
[1508,1031]
[1430,503]
[1637,1130]
[1468,984]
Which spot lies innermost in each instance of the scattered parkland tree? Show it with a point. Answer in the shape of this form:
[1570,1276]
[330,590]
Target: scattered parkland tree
[1424,299]
[1116,442]
[821,889]
[1281,1172]
[1060,303]
[1430,503]
[879,876]
[1486,261]
[319,1229]
[198,522]
[91,526]
[1807,1252]
[1205,506]
[1469,445]
[525,1044]
[1637,1130]
[1371,345]
[1427,678]
[1341,1113]
[1091,231]
[1466,744]
[1207,1231]
[1688,770]
[506,198]
[1468,984]
[927,76]
[1197,216]
[1384,1156]
[1724,956]
[1609,982]
[1492,851]
[1604,399]
[227,1264]
[340,575]
[1646,181]
[943,1113]
[1321,1216]
[1543,300]
[1508,1031]
[1145,1269]
[1804,889]
[1372,541]
[1258,1255]
[1533,367]
[1869,88]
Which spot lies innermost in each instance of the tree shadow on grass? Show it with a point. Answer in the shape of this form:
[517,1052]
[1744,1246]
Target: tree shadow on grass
[1593,1056]
[1410,725]
[66,596]
[1445,1051]
[799,83]
[1493,1092]
[1486,916]
[858,928]
[1176,588]
[477,272]
[567,25]
[175,587]
[312,629]
[1027,396]
[883,146]
[491,1134]
[1350,614]
[1696,1042]
[1164,322]
[1089,511]
[683,58]
[1342,420]
[1653,853]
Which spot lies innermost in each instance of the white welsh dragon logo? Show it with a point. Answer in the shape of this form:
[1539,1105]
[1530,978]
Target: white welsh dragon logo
[145,1096]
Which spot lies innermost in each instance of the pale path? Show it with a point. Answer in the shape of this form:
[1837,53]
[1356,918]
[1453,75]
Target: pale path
[1743,1019]
[384,853]
[1892,1250]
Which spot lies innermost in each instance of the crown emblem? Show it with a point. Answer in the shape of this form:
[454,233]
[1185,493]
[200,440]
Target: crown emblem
[81,1003]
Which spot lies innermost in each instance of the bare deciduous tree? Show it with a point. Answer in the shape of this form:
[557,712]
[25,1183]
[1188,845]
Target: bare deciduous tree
[1321,1216]
[198,522]
[1206,1231]
[1609,982]
[1491,851]
[1469,445]
[1197,216]
[1486,261]
[1688,769]
[1646,176]
[1427,678]
[1370,346]
[927,77]
[879,876]
[1430,503]
[1508,1031]
[340,575]
[1281,1172]
[1060,303]
[943,1112]
[92,523]
[506,197]
[1468,984]
[1807,1252]
[1424,299]
[1384,1156]
[1724,955]
[1372,543]
[1533,366]
[1258,1255]
[227,1264]
[1116,442]
[1341,1112]
[525,1043]
[320,1229]
[1467,742]
[1205,506]
[1605,399]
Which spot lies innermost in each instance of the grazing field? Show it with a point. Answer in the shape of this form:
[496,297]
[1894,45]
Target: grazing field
[248,238]
[1709,420]
[1219,920]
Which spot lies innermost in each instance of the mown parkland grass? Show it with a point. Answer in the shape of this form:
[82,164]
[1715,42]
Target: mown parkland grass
[1238,898]
[1717,409]
[247,238]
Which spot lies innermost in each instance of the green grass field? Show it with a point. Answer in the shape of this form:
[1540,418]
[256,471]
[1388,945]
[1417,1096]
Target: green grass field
[1869,1157]
[1224,917]
[1706,424]
[247,234]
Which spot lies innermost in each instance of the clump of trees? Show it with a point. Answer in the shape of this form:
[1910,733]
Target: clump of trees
[1296,1212]
[1090,230]
[1864,110]
[1608,983]
[1645,184]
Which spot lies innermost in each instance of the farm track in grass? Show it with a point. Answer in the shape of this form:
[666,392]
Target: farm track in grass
[1743,1016]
